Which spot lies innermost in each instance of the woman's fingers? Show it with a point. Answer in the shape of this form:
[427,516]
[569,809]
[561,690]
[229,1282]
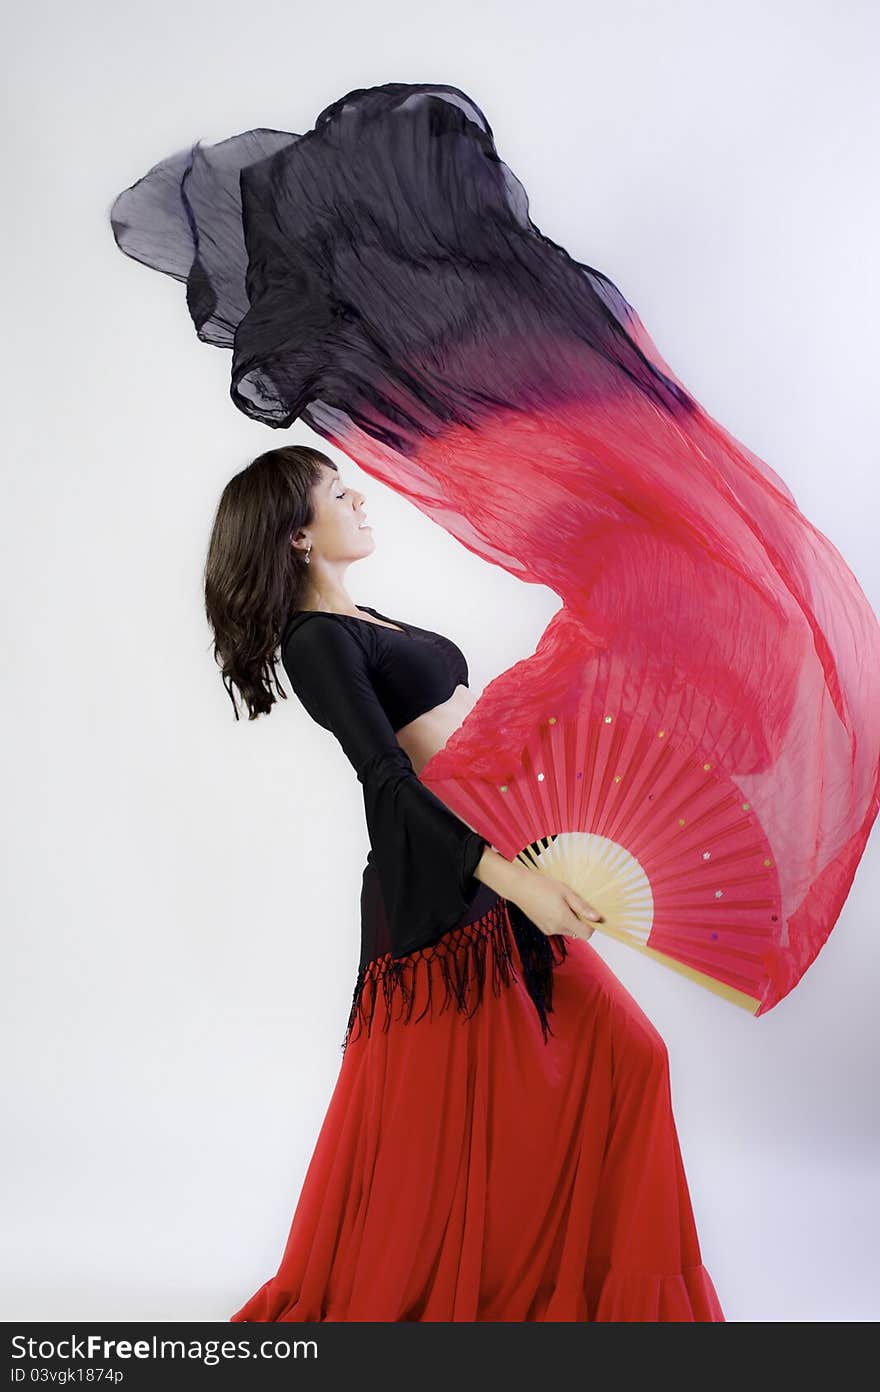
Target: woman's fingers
[582,908]
[580,927]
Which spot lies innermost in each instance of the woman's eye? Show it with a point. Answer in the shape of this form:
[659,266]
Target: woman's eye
[340,495]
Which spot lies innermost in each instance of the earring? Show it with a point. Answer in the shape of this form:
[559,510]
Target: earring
[308,562]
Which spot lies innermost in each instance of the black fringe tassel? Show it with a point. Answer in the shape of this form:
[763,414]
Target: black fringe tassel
[462,972]
[539,955]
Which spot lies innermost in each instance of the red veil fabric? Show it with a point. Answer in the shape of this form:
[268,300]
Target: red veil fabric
[380,279]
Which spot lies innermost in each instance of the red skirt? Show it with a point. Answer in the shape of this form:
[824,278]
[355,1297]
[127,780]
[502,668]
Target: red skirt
[469,1169]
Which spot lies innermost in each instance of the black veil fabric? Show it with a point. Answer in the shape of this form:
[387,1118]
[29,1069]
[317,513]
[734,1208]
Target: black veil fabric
[379,278]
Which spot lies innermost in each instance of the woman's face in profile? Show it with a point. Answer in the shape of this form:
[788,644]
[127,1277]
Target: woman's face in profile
[338,531]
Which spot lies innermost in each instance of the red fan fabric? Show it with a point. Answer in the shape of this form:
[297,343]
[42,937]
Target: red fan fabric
[380,279]
[532,1181]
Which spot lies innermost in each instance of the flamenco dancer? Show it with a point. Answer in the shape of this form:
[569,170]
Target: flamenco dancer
[500,1143]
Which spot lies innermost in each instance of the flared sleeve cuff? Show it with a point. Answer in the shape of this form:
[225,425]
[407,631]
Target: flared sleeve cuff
[424,854]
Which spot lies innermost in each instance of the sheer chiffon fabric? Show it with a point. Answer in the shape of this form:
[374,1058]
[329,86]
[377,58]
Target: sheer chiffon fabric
[467,1170]
[380,279]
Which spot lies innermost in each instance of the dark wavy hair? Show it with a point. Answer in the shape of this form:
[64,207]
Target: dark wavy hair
[253,576]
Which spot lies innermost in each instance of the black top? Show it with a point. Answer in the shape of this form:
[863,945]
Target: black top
[364,682]
[412,669]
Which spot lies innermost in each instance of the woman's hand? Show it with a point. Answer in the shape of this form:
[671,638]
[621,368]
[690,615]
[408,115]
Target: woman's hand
[553,907]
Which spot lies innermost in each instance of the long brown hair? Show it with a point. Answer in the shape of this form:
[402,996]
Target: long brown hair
[254,578]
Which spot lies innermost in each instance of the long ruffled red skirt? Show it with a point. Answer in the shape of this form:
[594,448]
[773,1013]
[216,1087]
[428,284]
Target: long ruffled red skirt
[467,1170]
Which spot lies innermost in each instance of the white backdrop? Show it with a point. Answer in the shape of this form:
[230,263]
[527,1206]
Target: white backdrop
[181,891]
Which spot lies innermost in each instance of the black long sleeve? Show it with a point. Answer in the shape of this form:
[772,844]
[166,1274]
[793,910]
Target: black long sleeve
[424,854]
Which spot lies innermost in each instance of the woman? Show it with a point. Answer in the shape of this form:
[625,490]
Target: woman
[474,1163]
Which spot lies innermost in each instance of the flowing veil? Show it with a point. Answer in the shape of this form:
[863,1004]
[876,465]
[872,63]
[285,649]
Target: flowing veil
[380,279]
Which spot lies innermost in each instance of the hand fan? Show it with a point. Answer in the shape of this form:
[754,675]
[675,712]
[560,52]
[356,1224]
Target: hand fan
[586,765]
